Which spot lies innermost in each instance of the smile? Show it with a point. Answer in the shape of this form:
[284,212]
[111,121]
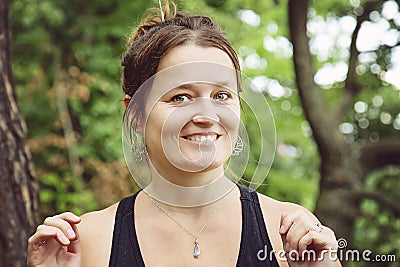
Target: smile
[202,138]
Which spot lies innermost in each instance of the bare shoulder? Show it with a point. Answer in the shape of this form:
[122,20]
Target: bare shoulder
[279,208]
[94,216]
[95,234]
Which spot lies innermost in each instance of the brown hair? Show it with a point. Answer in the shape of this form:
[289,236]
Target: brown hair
[156,36]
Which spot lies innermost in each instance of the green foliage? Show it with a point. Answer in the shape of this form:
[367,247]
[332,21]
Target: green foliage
[379,228]
[64,194]
[78,45]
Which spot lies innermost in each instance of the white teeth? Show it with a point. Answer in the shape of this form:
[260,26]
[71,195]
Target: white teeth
[203,138]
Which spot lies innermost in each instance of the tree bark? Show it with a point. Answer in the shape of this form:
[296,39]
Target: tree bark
[19,201]
[341,173]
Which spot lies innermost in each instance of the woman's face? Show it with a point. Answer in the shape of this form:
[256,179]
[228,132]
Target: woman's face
[192,111]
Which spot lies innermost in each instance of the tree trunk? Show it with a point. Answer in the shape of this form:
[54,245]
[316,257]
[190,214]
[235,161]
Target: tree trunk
[19,199]
[338,202]
[341,175]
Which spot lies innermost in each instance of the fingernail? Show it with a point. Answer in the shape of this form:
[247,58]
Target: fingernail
[282,229]
[70,233]
[74,217]
[64,239]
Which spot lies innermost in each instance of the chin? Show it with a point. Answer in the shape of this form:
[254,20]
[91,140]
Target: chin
[203,165]
[217,163]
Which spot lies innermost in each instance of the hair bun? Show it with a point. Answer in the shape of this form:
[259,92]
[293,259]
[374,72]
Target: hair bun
[152,17]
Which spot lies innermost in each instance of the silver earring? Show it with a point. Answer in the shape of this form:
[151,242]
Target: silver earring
[238,146]
[139,151]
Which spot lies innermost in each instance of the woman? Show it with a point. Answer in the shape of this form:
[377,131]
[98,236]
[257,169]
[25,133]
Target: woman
[181,85]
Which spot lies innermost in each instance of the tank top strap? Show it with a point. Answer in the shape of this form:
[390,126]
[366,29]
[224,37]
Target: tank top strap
[125,249]
[255,246]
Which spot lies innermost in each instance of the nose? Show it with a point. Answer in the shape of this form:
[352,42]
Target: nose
[206,112]
[204,119]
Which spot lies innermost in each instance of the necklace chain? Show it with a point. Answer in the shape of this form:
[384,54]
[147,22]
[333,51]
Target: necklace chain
[196,237]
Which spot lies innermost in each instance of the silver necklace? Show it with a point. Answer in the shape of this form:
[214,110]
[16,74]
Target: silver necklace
[196,248]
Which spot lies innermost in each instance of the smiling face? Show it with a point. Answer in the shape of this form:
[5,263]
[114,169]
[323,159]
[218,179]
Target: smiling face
[193,111]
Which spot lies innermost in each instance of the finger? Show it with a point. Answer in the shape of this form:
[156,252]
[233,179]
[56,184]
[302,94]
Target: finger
[317,242]
[61,224]
[75,247]
[45,232]
[318,227]
[296,231]
[35,242]
[286,222]
[69,217]
[306,241]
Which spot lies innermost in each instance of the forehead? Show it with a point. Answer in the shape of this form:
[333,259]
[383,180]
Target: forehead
[193,53]
[190,64]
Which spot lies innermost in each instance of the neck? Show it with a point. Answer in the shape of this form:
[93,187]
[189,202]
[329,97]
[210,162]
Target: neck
[194,190]
[185,178]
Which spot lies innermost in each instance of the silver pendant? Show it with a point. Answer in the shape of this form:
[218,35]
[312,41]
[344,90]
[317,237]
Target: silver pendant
[196,250]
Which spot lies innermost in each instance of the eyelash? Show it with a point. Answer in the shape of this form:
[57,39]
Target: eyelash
[222,93]
[174,99]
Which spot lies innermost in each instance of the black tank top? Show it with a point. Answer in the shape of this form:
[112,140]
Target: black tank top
[255,246]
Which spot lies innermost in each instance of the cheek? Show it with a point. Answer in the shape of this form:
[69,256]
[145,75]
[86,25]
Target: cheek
[153,126]
[174,122]
[164,125]
[230,120]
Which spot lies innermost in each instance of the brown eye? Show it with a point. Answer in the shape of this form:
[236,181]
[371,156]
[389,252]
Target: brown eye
[222,96]
[180,98]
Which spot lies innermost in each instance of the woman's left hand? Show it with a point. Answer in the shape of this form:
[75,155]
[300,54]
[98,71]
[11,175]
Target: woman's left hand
[306,242]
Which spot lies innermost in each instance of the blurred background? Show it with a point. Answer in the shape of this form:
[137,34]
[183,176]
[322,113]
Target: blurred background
[330,70]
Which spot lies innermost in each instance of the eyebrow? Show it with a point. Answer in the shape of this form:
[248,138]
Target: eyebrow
[224,84]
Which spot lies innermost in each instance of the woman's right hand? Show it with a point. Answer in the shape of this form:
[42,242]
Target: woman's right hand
[55,242]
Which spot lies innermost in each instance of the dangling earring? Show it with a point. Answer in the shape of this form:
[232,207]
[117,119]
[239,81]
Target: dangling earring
[139,151]
[238,146]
